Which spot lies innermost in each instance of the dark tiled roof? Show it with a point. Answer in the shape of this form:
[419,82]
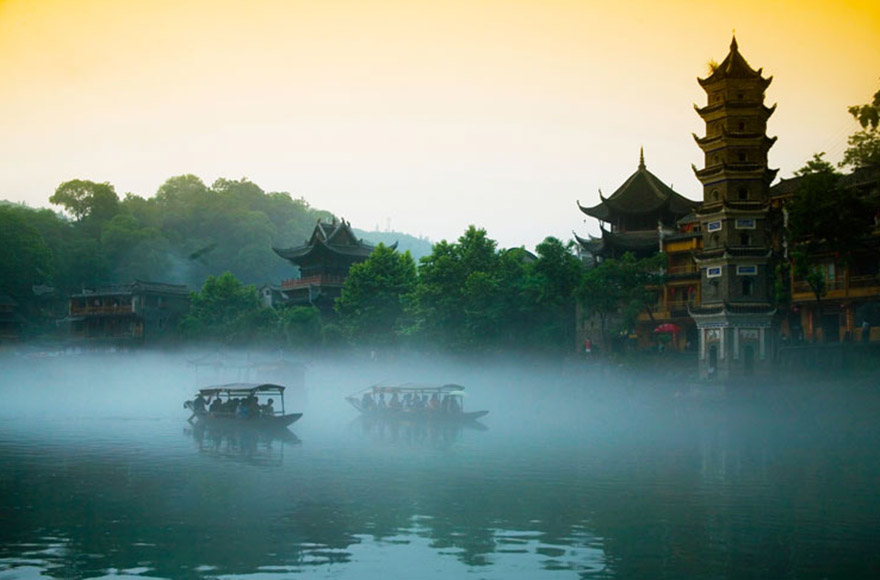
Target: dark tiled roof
[133,287]
[336,238]
[734,66]
[641,193]
[635,241]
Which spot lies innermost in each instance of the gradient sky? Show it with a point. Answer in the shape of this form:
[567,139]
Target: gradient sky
[424,117]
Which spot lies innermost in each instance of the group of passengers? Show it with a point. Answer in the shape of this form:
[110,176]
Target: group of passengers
[411,402]
[244,408]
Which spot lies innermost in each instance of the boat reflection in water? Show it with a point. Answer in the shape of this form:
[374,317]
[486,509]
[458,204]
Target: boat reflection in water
[242,443]
[415,433]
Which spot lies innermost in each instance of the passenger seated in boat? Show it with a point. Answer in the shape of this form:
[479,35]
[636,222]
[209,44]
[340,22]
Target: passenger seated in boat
[395,402]
[407,401]
[454,407]
[382,400]
[268,410]
[434,403]
[419,402]
[367,401]
[216,405]
[253,407]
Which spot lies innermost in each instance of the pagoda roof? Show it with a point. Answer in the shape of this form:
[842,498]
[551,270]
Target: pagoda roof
[734,66]
[335,237]
[639,241]
[641,193]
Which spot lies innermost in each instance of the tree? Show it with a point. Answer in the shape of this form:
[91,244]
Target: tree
[625,287]
[549,295]
[454,304]
[226,311]
[26,260]
[86,199]
[864,145]
[824,217]
[371,308]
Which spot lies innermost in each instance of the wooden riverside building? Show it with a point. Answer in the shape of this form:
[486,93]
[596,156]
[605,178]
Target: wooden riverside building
[126,314]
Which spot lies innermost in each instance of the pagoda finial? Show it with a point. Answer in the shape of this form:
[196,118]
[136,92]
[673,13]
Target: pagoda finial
[641,157]
[733,45]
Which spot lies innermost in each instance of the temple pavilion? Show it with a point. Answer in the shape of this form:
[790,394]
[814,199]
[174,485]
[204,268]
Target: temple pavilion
[323,263]
[636,216]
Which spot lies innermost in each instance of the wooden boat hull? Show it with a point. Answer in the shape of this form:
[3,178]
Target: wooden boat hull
[416,414]
[276,422]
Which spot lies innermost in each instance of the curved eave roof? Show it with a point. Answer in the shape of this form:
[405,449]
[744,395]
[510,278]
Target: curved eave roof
[632,240]
[600,212]
[641,193]
[294,254]
[734,66]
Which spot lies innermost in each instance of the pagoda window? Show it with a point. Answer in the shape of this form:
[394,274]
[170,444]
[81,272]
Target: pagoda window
[746,287]
[744,239]
[714,272]
[716,195]
[745,223]
[741,126]
[743,193]
[714,226]
[741,156]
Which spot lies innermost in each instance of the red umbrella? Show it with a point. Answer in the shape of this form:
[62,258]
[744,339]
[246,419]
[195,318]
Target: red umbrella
[667,327]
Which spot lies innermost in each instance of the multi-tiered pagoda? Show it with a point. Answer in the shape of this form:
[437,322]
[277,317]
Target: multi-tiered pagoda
[736,314]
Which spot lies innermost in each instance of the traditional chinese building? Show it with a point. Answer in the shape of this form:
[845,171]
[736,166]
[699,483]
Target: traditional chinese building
[642,217]
[323,264]
[736,316]
[127,314]
[637,215]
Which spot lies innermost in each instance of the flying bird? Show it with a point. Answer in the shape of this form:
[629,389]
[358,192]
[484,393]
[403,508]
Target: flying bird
[201,252]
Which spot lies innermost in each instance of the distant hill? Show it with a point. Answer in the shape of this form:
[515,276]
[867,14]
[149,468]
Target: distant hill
[418,247]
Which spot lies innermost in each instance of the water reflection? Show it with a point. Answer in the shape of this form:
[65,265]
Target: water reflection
[242,443]
[568,481]
[419,433]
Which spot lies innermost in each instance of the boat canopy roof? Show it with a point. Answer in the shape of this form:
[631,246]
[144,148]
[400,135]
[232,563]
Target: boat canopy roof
[421,388]
[242,389]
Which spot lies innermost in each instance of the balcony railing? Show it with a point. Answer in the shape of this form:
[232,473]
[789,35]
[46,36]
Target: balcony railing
[682,270]
[107,309]
[317,280]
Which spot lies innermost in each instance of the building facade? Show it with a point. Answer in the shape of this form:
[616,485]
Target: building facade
[126,314]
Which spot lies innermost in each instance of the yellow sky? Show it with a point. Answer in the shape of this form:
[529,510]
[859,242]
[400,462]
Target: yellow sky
[427,116]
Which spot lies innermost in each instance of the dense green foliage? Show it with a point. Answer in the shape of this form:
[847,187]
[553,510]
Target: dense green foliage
[621,287]
[824,217]
[371,308]
[864,145]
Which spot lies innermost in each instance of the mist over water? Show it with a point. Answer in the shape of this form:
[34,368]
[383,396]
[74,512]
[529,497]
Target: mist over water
[578,471]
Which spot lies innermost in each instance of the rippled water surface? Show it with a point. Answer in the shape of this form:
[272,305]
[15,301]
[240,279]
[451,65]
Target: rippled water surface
[575,474]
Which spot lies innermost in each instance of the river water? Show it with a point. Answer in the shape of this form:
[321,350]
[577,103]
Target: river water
[574,474]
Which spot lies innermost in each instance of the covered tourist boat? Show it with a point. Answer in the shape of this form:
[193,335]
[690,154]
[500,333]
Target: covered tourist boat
[414,401]
[245,404]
